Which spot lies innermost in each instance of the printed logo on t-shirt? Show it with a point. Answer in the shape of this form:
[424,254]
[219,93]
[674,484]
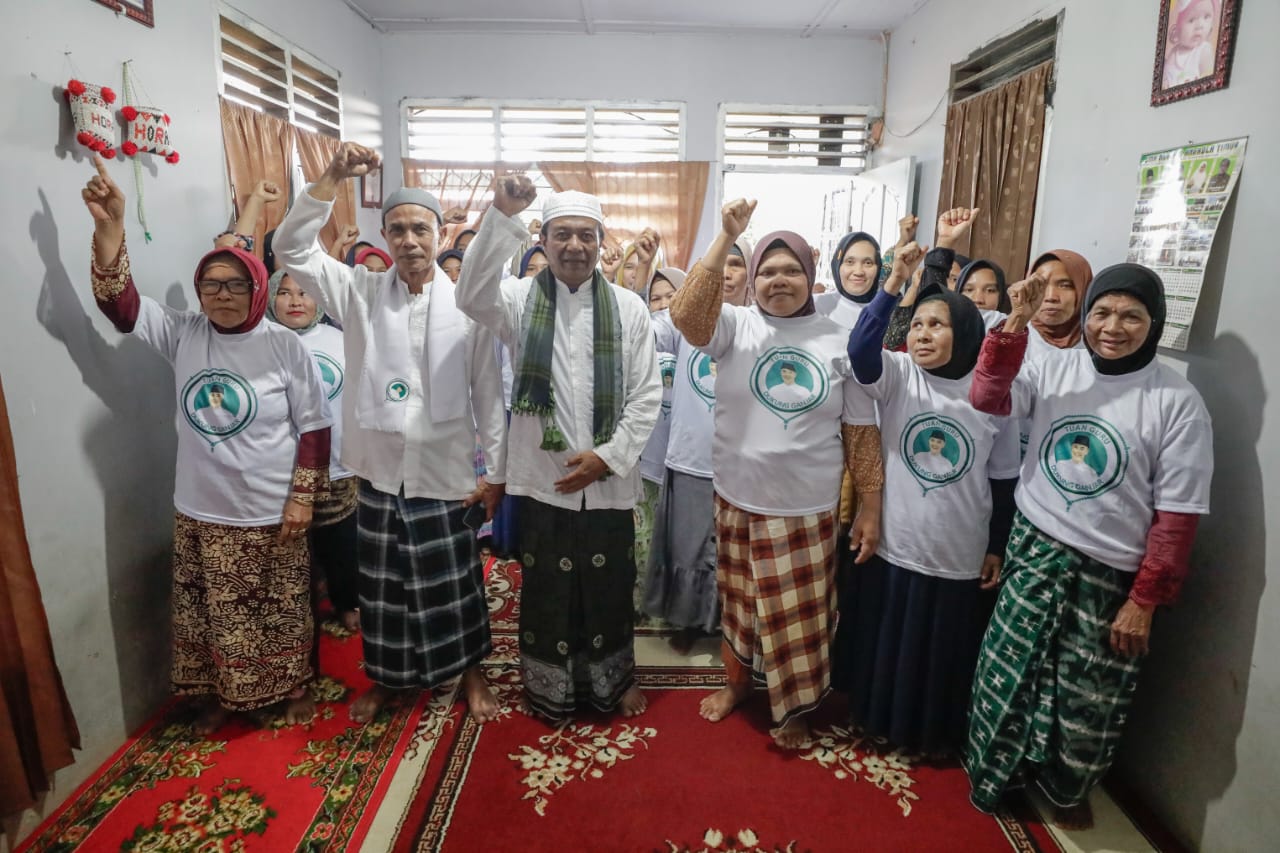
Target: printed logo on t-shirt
[1083,457]
[218,404]
[702,376]
[397,390]
[331,374]
[667,367]
[789,382]
[937,451]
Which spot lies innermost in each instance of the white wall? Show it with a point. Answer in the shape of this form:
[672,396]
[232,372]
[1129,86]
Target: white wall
[701,70]
[91,410]
[1203,744]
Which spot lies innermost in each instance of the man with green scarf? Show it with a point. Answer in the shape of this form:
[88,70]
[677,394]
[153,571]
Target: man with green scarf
[587,394]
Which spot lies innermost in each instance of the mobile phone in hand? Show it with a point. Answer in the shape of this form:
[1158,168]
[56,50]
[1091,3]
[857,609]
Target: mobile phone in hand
[473,517]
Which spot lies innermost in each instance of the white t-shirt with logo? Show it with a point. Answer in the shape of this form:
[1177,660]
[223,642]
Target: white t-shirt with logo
[243,400]
[693,402]
[783,387]
[325,344]
[939,453]
[1106,452]
[838,307]
[653,457]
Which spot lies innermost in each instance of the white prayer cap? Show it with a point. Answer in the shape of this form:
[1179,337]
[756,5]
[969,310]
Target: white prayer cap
[412,195]
[572,203]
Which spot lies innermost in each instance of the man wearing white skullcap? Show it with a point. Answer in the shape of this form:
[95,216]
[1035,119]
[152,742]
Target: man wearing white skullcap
[587,394]
[422,381]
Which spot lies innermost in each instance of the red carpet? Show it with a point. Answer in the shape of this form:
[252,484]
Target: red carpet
[246,788]
[669,781]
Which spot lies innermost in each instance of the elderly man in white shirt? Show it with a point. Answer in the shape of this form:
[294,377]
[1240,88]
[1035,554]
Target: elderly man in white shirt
[426,381]
[587,394]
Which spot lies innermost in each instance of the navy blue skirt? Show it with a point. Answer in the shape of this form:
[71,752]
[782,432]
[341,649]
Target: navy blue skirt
[905,652]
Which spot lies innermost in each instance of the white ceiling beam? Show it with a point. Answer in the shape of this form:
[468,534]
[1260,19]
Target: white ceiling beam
[363,15]
[574,26]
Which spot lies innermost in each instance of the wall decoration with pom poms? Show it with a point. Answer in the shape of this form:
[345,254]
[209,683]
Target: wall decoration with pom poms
[92,116]
[146,131]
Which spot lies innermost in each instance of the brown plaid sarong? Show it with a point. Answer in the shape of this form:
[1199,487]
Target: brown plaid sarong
[776,578]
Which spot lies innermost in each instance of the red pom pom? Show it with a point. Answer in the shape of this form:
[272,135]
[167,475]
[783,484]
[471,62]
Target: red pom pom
[84,138]
[97,145]
[173,157]
[109,153]
[129,148]
[108,95]
[129,113]
[75,87]
[165,117]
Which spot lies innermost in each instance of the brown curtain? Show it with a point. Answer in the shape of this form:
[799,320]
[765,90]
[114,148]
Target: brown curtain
[316,151]
[465,185]
[37,728]
[667,197]
[259,147]
[991,161]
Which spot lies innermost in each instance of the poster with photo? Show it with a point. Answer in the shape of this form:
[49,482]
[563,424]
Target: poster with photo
[1181,195]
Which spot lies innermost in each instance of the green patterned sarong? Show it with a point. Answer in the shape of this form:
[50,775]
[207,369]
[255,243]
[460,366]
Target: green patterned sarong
[645,511]
[1049,698]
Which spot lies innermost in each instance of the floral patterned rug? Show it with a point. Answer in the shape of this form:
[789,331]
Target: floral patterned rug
[254,785]
[670,781]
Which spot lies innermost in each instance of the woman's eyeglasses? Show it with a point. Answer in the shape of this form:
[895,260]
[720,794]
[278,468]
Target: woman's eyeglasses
[236,287]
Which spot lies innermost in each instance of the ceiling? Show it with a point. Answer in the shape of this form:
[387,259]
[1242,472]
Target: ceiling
[804,18]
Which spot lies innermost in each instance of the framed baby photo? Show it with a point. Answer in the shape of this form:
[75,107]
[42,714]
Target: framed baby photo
[1194,43]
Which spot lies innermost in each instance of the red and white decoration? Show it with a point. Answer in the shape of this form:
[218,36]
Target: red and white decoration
[92,115]
[147,132]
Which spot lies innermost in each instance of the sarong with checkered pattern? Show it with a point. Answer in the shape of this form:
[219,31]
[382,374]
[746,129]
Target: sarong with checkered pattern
[423,615]
[1050,697]
[776,579]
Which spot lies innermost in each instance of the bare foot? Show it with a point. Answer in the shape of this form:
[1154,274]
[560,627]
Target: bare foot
[350,620]
[369,703]
[792,734]
[682,641]
[1077,817]
[482,705]
[720,704]
[634,702]
[300,711]
[210,720]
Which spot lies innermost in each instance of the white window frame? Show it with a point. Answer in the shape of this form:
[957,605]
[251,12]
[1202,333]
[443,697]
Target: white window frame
[291,50]
[590,107]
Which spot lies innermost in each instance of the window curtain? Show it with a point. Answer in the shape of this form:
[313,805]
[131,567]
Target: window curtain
[316,151]
[991,161]
[37,728]
[465,185]
[667,197]
[259,147]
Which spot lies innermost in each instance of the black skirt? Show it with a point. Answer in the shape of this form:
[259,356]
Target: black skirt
[905,652]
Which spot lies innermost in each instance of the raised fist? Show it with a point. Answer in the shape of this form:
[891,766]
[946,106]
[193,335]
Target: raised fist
[455,216]
[907,228]
[646,247]
[954,224]
[513,193]
[1025,296]
[735,215]
[353,160]
[267,191]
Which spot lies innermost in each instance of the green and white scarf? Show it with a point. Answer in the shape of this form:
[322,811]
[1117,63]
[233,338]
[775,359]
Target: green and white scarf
[533,393]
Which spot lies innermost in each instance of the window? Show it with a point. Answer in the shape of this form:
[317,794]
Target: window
[1006,58]
[263,71]
[471,130]
[809,137]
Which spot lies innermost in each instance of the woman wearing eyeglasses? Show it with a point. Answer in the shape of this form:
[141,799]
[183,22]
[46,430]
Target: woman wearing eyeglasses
[253,456]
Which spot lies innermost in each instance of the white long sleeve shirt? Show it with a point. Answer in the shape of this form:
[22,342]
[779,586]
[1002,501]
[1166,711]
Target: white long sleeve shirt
[499,305]
[430,460]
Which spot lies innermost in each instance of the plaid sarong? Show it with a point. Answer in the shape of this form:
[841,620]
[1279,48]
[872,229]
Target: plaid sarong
[533,394]
[1050,697]
[423,616]
[776,578]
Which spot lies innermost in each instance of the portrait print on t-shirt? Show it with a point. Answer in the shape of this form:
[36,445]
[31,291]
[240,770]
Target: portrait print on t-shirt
[331,374]
[667,368]
[937,450]
[1083,456]
[702,377]
[788,382]
[218,404]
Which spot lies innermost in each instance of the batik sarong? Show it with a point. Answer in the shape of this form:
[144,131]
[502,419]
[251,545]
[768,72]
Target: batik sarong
[576,611]
[242,624]
[645,510]
[423,615]
[1050,697]
[777,590]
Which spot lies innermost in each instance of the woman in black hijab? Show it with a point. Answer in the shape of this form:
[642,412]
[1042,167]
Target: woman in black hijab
[912,618]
